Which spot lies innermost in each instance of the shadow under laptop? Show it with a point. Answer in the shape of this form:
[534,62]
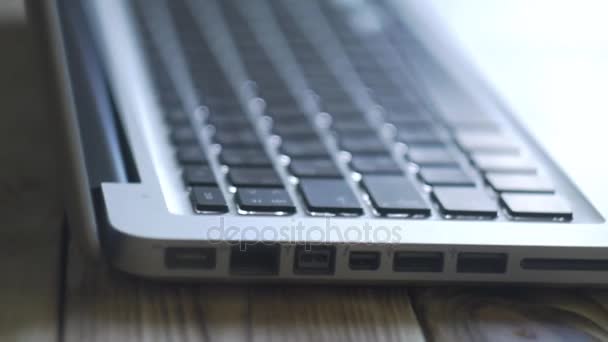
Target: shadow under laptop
[30,209]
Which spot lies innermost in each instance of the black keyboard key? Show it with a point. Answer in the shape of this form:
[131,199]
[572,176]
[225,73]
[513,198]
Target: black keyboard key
[418,134]
[394,100]
[406,119]
[304,148]
[294,129]
[264,200]
[279,98]
[487,162]
[332,196]
[317,167]
[445,176]
[234,116]
[353,125]
[459,201]
[476,141]
[468,121]
[183,135]
[380,163]
[223,127]
[198,175]
[220,96]
[536,206]
[331,92]
[395,195]
[191,154]
[432,156]
[177,118]
[508,182]
[281,102]
[244,157]
[208,199]
[230,120]
[245,137]
[255,177]
[344,114]
[282,115]
[418,138]
[412,127]
[362,143]
[286,114]
[340,107]
[487,126]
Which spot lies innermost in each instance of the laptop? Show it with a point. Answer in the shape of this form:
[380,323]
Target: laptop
[327,141]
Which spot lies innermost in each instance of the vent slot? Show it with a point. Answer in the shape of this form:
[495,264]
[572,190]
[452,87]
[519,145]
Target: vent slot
[564,264]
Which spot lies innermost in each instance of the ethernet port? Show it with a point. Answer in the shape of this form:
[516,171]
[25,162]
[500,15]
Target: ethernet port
[314,259]
[256,259]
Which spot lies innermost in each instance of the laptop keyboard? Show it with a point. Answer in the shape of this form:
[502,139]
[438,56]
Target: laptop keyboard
[327,118]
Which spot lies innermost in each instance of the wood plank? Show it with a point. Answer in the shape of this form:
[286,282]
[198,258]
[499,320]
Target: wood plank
[30,212]
[105,306]
[512,314]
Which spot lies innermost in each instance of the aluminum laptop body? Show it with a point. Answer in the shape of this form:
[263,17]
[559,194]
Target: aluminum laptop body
[315,141]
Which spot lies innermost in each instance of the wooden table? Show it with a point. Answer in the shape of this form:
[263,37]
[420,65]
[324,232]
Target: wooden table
[47,293]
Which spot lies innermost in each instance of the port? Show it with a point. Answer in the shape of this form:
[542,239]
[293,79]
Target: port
[314,259]
[408,261]
[369,261]
[564,264]
[482,263]
[189,258]
[255,259]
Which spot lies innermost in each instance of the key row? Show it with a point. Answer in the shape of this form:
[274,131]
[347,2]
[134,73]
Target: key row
[390,196]
[260,174]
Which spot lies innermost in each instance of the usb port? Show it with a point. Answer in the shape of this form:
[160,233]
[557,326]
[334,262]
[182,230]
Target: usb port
[314,259]
[418,262]
[482,263]
[364,261]
[189,258]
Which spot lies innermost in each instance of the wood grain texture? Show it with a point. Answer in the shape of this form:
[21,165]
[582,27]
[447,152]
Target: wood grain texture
[30,212]
[103,305]
[512,314]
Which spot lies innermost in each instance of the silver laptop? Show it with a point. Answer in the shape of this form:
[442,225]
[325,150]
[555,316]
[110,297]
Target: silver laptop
[306,141]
